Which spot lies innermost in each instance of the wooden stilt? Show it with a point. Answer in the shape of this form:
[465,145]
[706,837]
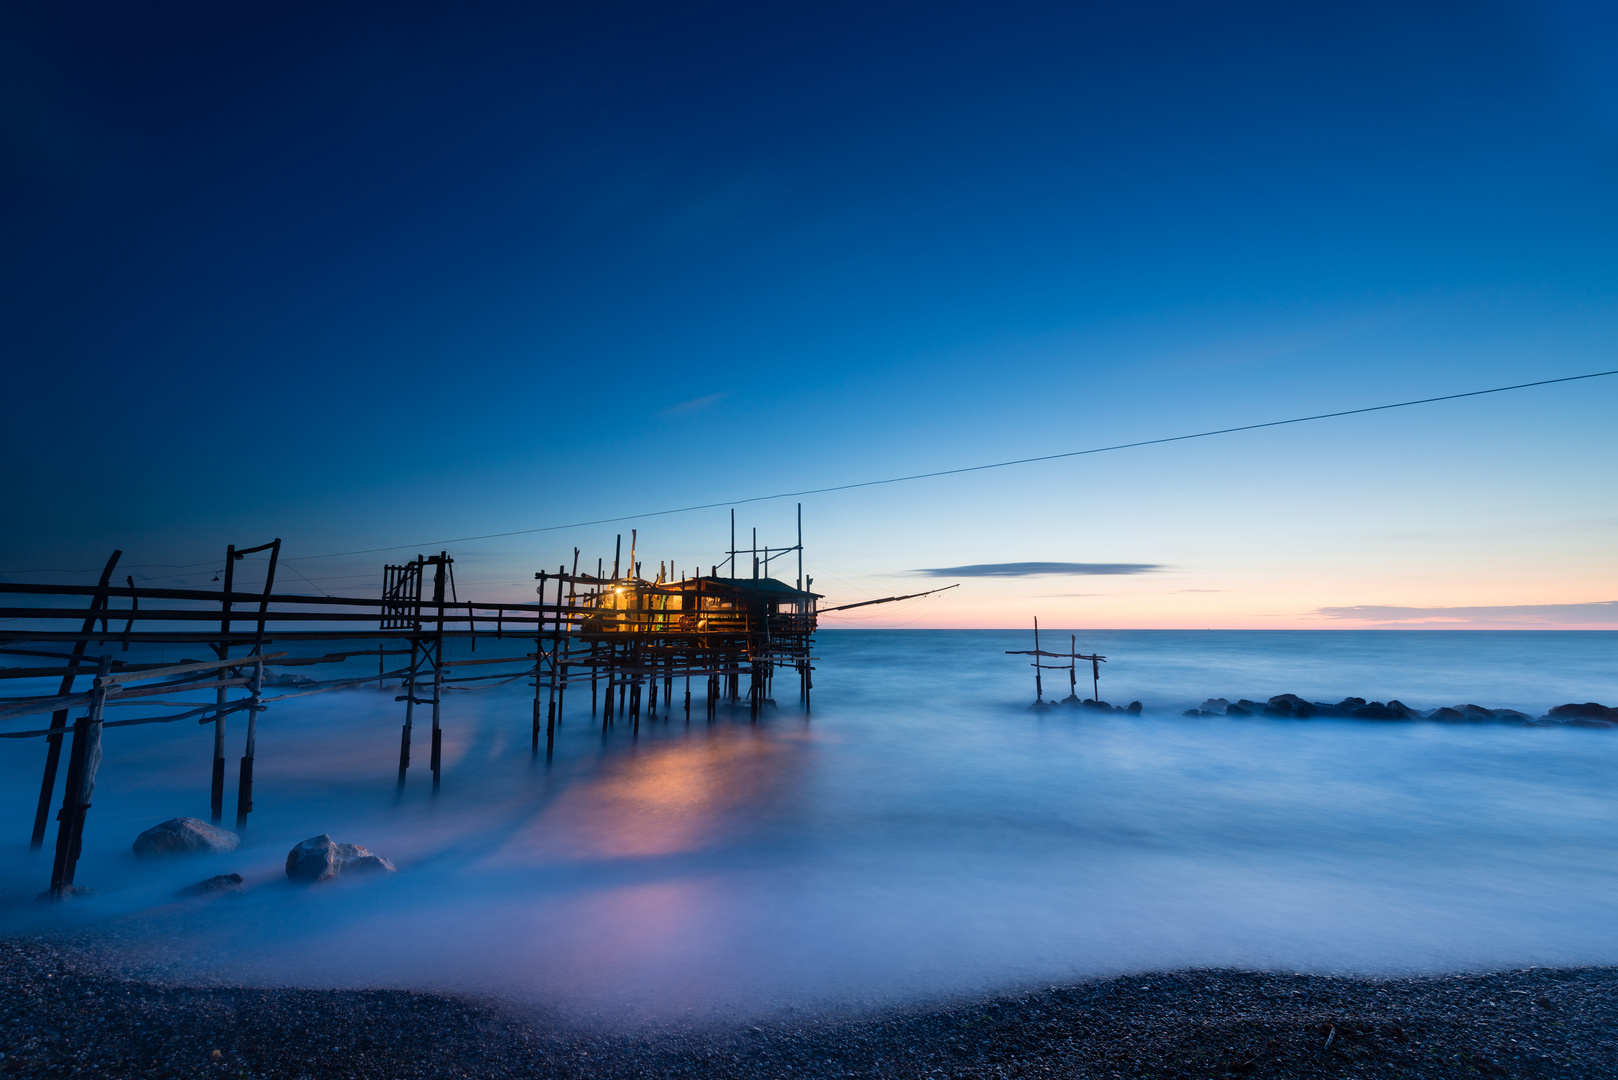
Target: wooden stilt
[53,741]
[539,666]
[438,670]
[244,783]
[216,793]
[556,663]
[83,761]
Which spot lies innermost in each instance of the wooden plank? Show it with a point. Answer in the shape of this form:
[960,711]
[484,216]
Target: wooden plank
[180,669]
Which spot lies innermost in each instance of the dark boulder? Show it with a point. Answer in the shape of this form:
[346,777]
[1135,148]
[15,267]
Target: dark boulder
[1447,716]
[1214,706]
[1238,710]
[1350,703]
[1404,710]
[1512,716]
[1377,711]
[1321,708]
[1475,712]
[1289,705]
[1590,710]
[319,858]
[219,883]
[1133,708]
[185,836]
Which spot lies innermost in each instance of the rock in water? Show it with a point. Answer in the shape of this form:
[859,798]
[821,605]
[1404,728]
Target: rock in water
[184,836]
[216,884]
[1576,714]
[319,858]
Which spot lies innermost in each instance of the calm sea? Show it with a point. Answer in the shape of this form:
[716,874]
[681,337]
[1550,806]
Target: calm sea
[923,833]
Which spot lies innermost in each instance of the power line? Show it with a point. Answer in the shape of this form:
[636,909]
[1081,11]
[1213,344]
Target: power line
[920,476]
[969,468]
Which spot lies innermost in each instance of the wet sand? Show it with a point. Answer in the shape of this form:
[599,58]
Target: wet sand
[64,1015]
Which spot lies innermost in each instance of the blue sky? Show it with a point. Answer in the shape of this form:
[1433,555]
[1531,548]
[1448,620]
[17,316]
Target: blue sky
[360,277]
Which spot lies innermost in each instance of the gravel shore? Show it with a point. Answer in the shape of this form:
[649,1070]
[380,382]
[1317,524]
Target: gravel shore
[61,1017]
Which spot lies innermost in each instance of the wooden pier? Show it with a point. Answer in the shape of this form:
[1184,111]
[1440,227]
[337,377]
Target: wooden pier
[638,642]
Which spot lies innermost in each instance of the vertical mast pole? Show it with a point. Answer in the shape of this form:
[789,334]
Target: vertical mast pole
[1039,687]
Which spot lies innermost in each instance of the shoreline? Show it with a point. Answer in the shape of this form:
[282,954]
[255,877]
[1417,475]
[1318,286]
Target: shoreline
[62,1016]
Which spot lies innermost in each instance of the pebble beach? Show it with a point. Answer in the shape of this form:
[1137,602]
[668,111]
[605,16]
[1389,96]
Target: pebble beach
[66,1012]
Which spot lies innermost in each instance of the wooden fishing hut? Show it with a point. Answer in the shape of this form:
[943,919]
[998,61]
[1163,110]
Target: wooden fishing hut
[629,633]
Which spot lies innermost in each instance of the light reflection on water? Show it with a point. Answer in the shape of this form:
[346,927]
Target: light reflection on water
[924,833]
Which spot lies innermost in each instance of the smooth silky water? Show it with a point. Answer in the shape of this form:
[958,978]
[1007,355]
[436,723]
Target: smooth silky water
[923,833]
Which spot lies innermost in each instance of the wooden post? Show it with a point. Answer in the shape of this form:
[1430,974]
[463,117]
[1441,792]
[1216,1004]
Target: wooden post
[244,787]
[438,666]
[1072,668]
[417,646]
[216,794]
[539,659]
[556,654]
[566,631]
[410,712]
[1039,687]
[53,741]
[668,687]
[83,761]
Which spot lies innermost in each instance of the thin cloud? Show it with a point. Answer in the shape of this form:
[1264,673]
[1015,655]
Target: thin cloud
[695,404]
[1035,569]
[1600,612]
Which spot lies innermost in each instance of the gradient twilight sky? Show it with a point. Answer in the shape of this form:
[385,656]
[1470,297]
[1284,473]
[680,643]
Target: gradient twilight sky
[366,275]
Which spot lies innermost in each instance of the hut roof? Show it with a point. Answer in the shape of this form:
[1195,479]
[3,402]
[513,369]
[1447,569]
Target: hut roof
[768,587]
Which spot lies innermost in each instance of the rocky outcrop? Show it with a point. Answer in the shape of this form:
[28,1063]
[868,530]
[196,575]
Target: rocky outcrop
[1090,705]
[185,836]
[320,858]
[1590,714]
[1291,706]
